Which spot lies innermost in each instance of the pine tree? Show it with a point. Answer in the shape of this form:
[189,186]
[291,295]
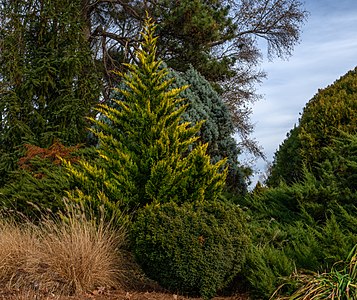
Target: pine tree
[146,151]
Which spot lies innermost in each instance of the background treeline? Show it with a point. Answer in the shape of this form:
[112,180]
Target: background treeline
[57,58]
[148,145]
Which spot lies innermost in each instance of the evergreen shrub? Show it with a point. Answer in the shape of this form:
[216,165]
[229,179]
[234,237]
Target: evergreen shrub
[265,267]
[309,231]
[37,188]
[146,153]
[338,283]
[193,249]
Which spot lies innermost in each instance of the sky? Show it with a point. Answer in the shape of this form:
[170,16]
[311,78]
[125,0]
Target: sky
[327,50]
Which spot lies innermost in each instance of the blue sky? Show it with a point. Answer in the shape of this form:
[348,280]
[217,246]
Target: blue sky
[327,50]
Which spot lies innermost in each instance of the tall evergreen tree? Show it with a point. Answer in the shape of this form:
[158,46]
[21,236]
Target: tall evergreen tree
[42,42]
[49,50]
[204,103]
[48,79]
[143,151]
[330,112]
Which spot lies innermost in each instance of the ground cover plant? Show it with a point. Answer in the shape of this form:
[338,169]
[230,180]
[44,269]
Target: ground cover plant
[307,213]
[339,283]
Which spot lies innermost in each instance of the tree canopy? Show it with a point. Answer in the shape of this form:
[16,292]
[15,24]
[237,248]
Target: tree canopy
[218,38]
[57,58]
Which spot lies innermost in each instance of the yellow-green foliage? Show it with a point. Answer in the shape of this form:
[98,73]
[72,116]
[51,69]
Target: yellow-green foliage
[146,151]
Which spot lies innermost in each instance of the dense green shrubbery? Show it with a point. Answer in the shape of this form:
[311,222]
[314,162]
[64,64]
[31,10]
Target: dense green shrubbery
[280,249]
[151,166]
[265,267]
[308,225]
[38,185]
[32,196]
[37,188]
[300,227]
[313,202]
[196,248]
[326,116]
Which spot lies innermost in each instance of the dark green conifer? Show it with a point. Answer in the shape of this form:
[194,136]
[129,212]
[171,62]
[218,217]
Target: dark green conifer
[48,81]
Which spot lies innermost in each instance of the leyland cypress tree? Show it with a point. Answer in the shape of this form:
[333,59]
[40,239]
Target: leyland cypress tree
[330,112]
[146,151]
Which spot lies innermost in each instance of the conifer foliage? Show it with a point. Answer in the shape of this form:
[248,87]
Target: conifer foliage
[204,103]
[146,150]
[48,81]
[327,115]
[218,130]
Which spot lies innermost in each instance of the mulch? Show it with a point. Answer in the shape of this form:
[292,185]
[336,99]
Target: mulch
[102,294]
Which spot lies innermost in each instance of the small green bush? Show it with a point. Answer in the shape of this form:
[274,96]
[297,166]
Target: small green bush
[264,268]
[194,249]
[36,190]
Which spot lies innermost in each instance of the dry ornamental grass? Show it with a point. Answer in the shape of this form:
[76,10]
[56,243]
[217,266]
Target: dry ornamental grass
[64,257]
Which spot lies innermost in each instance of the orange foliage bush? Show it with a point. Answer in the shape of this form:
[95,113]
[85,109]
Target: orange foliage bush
[54,154]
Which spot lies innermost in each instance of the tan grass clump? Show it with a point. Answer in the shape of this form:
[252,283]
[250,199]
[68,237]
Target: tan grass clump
[17,246]
[66,257]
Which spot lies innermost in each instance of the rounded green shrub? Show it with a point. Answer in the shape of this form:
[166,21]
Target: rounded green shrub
[194,249]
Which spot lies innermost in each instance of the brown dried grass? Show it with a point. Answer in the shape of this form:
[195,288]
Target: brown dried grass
[62,257]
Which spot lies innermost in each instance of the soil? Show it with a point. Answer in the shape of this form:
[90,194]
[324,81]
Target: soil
[102,294]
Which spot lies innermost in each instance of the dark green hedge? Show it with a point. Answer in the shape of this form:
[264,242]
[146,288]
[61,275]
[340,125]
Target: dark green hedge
[193,249]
